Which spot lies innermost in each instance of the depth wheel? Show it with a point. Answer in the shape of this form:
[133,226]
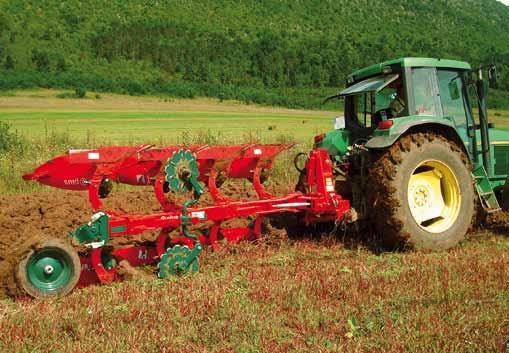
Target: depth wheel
[422,193]
[51,268]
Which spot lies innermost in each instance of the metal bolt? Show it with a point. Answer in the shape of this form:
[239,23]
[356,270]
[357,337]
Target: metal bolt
[48,269]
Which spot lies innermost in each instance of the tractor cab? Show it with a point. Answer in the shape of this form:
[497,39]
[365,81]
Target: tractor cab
[409,87]
[386,100]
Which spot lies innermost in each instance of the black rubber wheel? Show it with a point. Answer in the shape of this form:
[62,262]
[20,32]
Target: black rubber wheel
[422,193]
[49,268]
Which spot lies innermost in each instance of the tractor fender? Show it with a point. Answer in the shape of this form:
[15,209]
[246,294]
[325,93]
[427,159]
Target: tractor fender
[386,138]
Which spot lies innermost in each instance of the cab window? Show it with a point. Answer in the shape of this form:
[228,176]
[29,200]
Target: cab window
[363,109]
[425,92]
[385,97]
[451,94]
[367,106]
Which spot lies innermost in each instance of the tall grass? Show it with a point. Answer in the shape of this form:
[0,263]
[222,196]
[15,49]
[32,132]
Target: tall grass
[19,155]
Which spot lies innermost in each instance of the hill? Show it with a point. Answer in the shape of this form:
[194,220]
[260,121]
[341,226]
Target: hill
[288,53]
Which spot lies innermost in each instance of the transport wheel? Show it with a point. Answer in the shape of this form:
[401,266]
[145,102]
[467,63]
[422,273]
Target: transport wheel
[50,268]
[422,193]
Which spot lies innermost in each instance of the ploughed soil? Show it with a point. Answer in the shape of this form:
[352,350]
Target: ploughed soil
[25,219]
[28,219]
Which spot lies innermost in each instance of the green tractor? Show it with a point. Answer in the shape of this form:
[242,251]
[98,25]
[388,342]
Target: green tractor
[413,156]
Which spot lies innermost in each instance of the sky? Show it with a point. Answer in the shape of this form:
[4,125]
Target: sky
[505,2]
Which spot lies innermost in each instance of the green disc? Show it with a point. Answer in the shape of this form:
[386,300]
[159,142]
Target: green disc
[175,262]
[182,171]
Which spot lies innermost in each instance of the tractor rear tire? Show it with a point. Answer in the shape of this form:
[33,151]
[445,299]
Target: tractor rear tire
[422,193]
[48,268]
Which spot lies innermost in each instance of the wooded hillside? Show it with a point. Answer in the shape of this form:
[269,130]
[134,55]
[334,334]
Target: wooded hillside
[275,52]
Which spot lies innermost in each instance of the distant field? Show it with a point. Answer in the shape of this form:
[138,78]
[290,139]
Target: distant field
[121,119]
[167,126]
[500,118]
[117,119]
[47,126]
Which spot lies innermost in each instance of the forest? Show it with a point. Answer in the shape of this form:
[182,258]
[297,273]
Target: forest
[288,53]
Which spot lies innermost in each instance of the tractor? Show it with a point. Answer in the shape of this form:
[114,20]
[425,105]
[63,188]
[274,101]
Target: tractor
[409,157]
[423,169]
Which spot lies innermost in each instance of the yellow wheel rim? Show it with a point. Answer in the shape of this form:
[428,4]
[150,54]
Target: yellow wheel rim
[434,196]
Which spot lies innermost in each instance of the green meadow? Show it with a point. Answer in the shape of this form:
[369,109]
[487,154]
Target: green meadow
[167,126]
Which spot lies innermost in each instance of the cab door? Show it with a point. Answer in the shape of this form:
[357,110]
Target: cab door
[456,107]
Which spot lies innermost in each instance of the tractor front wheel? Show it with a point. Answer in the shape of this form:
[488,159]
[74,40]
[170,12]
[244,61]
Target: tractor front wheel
[422,193]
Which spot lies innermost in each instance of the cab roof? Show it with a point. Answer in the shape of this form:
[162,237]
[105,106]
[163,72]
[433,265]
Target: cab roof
[409,62]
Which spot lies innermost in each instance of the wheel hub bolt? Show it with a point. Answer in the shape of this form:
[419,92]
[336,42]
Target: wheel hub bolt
[421,196]
[48,269]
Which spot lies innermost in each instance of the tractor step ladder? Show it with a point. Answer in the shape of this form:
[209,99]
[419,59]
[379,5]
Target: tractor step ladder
[485,190]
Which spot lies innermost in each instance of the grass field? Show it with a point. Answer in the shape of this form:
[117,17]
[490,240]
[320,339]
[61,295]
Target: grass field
[305,297]
[329,295]
[117,119]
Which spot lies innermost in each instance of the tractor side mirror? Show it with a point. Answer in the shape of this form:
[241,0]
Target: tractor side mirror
[492,76]
[454,91]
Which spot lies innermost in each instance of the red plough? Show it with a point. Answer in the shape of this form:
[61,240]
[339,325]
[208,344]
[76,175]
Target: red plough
[95,169]
[186,170]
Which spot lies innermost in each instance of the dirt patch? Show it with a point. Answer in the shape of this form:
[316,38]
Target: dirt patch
[24,219]
[128,272]
[498,223]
